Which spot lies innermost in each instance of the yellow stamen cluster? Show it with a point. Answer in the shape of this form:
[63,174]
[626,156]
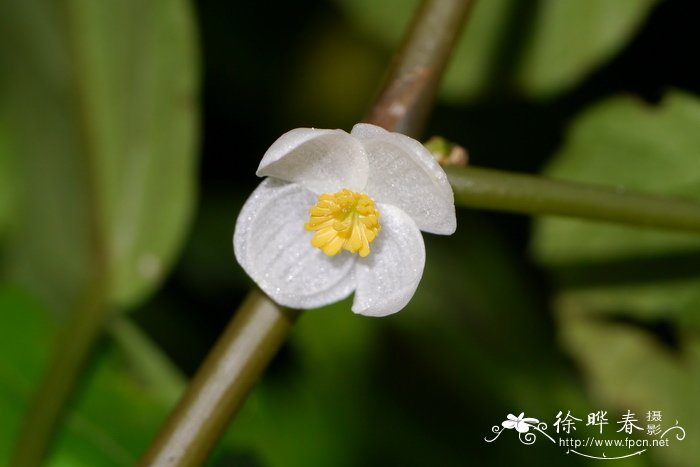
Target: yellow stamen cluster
[344,220]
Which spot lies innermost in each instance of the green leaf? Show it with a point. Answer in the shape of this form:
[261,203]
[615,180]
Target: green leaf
[630,369]
[626,143]
[570,39]
[21,355]
[101,99]
[541,47]
[628,297]
[8,181]
[101,428]
[117,417]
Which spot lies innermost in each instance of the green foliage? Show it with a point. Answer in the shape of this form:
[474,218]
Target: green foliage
[566,41]
[101,428]
[99,106]
[628,297]
[628,368]
[101,100]
[7,181]
[633,146]
[539,48]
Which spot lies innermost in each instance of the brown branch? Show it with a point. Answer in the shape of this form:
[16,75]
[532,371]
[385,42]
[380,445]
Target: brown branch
[407,97]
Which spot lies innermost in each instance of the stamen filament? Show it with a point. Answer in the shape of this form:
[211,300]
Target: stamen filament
[344,221]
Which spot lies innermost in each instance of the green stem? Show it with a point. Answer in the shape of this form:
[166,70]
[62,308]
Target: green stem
[229,372]
[260,327]
[490,189]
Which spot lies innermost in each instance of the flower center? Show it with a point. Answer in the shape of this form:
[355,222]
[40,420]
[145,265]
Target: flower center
[344,220]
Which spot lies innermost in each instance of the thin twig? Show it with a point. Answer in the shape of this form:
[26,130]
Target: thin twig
[407,97]
[527,194]
[222,383]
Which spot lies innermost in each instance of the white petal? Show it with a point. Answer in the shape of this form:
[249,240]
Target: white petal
[389,276]
[402,172]
[509,424]
[323,161]
[522,427]
[272,246]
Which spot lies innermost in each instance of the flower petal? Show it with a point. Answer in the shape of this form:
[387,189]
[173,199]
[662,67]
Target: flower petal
[522,427]
[323,161]
[388,277]
[271,245]
[402,172]
[509,424]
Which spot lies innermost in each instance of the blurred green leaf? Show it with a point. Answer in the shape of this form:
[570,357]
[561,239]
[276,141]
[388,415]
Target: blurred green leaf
[630,369]
[110,425]
[569,39]
[25,329]
[540,47]
[8,180]
[628,297]
[101,101]
[114,420]
[628,144]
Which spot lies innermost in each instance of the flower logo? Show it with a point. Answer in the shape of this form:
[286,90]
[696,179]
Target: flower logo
[341,213]
[522,425]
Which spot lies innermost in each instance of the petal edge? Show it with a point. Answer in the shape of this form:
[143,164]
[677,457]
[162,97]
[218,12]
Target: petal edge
[388,277]
[402,172]
[271,245]
[323,161]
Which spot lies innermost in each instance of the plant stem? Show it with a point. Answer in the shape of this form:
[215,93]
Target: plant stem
[260,327]
[229,372]
[407,97]
[491,189]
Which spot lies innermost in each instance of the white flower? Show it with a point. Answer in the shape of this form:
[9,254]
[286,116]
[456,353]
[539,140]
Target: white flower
[366,195]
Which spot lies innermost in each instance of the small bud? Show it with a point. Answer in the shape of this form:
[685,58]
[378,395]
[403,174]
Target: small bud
[446,153]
